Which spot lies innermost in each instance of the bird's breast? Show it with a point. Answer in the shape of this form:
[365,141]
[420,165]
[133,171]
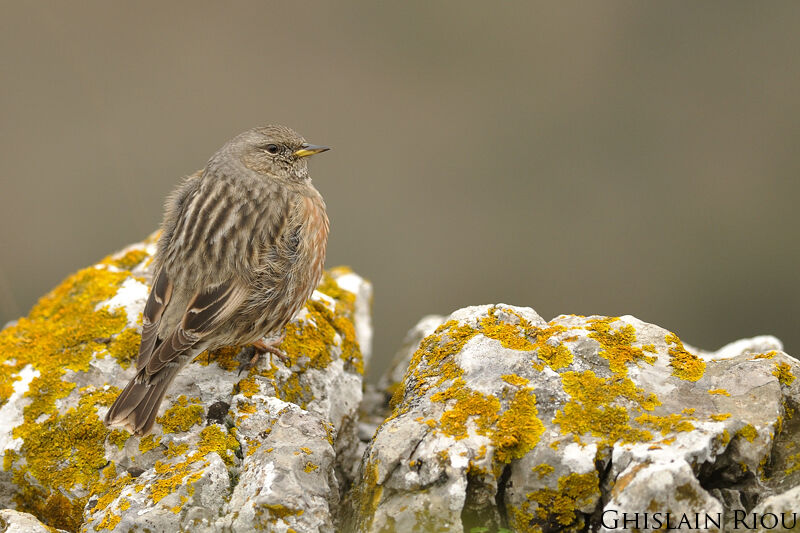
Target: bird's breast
[314,237]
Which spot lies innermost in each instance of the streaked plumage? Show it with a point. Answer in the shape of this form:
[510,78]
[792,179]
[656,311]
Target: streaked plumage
[242,248]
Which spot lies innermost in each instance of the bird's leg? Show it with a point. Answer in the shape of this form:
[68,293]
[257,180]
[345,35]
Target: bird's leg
[272,347]
[249,355]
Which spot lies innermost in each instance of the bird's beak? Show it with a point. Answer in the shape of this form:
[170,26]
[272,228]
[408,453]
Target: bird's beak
[310,149]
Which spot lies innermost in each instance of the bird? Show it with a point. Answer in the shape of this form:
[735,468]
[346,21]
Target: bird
[241,249]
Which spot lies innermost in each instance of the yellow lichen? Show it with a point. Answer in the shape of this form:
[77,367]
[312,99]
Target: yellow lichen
[367,495]
[748,432]
[543,470]
[60,452]
[510,335]
[595,407]
[518,428]
[106,491]
[175,450]
[118,437]
[783,371]
[768,355]
[174,476]
[214,439]
[617,346]
[665,424]
[182,415]
[224,357]
[177,509]
[685,365]
[248,387]
[721,392]
[125,347]
[279,512]
[468,404]
[525,336]
[128,260]
[513,379]
[310,467]
[149,442]
[792,464]
[720,417]
[314,336]
[558,506]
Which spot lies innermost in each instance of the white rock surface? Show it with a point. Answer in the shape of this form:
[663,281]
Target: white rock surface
[12,521]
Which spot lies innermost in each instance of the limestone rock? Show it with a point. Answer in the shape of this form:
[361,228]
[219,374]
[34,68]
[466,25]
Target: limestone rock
[779,512]
[506,420]
[375,405]
[12,521]
[228,453]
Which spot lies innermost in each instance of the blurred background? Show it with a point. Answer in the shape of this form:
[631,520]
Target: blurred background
[574,157]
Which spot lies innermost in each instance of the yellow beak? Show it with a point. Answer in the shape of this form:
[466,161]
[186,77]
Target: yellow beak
[310,149]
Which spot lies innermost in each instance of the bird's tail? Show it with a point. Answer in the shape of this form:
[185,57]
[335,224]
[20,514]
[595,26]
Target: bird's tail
[137,405]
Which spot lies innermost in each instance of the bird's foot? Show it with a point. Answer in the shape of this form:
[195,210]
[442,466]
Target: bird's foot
[250,355]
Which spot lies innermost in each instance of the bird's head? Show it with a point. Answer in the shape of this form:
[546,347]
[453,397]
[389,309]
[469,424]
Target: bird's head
[276,151]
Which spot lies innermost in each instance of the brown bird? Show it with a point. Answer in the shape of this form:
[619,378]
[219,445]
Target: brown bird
[242,248]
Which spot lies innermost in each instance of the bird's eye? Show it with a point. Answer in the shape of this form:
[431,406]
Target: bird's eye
[272,148]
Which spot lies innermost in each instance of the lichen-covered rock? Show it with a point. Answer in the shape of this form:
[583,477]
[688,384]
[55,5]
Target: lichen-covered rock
[375,404]
[506,420]
[228,452]
[12,521]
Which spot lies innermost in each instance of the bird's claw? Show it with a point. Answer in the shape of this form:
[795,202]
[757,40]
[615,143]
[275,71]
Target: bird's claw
[247,358]
[250,355]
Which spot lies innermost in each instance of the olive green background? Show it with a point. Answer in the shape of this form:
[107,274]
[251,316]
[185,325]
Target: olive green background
[575,157]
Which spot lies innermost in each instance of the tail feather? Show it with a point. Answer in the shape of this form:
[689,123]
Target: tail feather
[137,405]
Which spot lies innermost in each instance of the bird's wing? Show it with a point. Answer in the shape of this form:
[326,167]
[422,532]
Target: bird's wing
[208,308]
[158,300]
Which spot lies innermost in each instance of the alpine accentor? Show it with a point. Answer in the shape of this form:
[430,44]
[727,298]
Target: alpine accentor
[242,248]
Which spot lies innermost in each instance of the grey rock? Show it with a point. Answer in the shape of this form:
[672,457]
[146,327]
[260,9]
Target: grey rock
[393,377]
[269,449]
[779,512]
[506,420]
[12,521]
